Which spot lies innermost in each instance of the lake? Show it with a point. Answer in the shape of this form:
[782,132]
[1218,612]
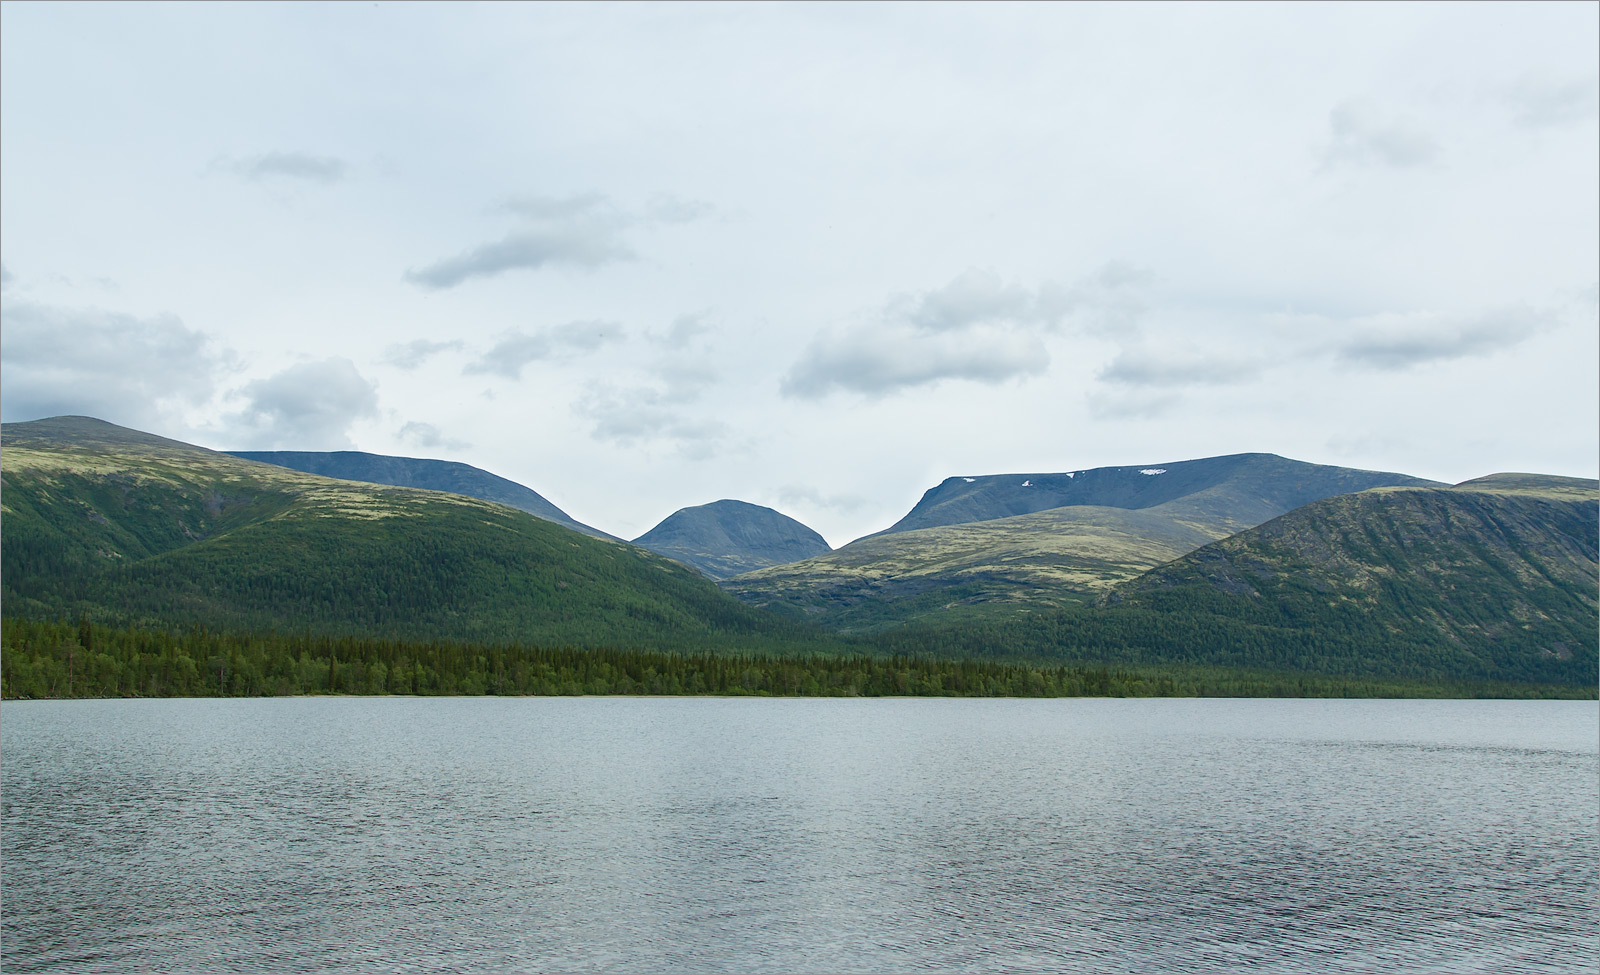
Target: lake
[799,835]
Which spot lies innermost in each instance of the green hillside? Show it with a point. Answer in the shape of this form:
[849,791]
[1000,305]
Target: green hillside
[132,529]
[415,472]
[1495,579]
[1111,525]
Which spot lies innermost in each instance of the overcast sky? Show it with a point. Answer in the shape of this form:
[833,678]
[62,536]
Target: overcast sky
[815,257]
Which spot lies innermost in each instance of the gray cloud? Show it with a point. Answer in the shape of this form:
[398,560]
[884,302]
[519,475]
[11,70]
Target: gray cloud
[974,298]
[877,363]
[290,165]
[308,406]
[629,417]
[428,435]
[1397,342]
[1363,135]
[1541,103]
[109,365]
[410,355]
[1174,368]
[1107,300]
[684,330]
[584,231]
[516,348]
[586,247]
[6,276]
[977,327]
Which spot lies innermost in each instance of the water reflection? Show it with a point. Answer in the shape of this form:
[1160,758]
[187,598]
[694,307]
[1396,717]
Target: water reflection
[624,834]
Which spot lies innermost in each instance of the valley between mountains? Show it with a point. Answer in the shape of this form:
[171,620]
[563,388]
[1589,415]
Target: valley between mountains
[1249,564]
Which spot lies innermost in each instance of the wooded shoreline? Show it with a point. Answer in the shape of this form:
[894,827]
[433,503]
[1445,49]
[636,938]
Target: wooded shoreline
[42,659]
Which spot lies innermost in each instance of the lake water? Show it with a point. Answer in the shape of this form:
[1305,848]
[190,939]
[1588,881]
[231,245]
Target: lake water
[710,834]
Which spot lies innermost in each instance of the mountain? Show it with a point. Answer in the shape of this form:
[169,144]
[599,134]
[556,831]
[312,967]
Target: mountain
[1043,539]
[1237,489]
[1490,580]
[132,529]
[725,538]
[431,475]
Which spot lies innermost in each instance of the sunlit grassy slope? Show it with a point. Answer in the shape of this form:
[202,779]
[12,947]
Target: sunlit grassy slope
[1112,525]
[130,528]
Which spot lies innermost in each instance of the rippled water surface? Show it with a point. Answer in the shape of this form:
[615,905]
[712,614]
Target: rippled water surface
[705,834]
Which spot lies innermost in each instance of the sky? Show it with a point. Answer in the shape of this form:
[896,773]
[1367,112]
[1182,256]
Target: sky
[817,257]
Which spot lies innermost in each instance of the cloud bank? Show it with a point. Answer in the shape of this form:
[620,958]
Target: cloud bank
[122,368]
[516,348]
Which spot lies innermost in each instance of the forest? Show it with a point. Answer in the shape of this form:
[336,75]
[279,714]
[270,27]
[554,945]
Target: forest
[64,659]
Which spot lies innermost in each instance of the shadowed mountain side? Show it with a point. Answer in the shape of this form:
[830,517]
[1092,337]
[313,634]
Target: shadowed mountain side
[725,538]
[1238,489]
[1490,581]
[128,529]
[414,472]
[1503,568]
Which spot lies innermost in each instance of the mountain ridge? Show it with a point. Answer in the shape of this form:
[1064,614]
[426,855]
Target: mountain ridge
[1061,555]
[728,537]
[416,472]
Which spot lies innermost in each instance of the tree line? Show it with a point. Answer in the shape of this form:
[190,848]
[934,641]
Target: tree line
[63,659]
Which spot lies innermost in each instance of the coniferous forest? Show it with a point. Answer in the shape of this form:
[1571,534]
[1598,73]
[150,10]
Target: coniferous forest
[61,659]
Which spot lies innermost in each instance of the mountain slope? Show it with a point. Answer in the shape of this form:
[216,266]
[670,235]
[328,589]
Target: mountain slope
[1115,524]
[431,475]
[138,530]
[725,538]
[1237,489]
[1502,570]
[1493,580]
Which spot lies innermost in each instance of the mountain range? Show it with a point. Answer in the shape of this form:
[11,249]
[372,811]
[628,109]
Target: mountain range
[133,529]
[1244,561]
[1050,539]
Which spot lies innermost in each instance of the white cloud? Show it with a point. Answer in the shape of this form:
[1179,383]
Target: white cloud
[308,406]
[134,371]
[977,327]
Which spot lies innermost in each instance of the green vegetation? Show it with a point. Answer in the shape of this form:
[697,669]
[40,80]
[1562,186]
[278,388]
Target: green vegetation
[66,660]
[155,534]
[270,581]
[972,544]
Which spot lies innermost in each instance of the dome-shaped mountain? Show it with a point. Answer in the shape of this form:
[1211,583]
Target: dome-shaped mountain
[725,538]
